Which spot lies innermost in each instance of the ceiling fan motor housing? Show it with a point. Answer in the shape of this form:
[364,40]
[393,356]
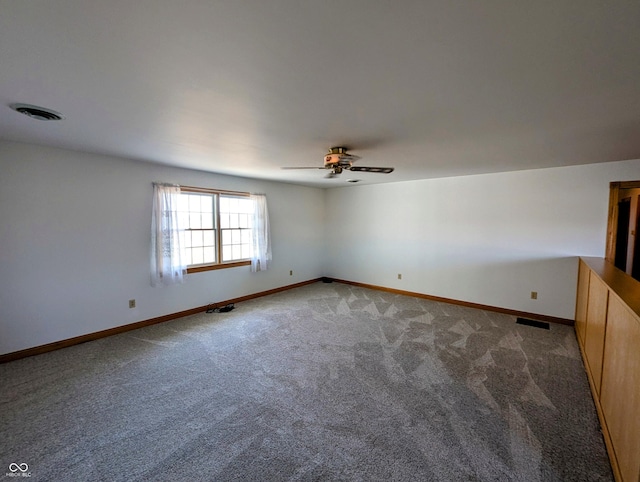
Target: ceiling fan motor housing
[331,160]
[338,156]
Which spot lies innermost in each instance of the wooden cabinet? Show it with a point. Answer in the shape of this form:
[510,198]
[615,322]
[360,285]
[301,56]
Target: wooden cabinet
[596,325]
[608,332]
[620,393]
[581,301]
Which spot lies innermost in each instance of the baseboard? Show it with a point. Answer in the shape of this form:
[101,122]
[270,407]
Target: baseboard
[37,350]
[56,345]
[523,314]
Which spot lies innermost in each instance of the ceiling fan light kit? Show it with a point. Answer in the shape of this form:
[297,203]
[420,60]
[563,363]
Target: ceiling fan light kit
[338,160]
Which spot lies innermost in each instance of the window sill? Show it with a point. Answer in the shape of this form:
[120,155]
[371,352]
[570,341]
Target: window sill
[210,267]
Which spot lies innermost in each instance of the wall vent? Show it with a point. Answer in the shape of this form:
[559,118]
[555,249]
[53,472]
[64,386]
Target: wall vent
[537,324]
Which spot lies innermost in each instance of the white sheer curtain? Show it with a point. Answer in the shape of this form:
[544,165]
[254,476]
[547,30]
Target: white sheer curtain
[261,235]
[167,260]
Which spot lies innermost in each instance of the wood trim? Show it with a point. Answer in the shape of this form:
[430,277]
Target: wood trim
[218,230]
[496,309]
[620,392]
[628,184]
[596,327]
[38,350]
[582,301]
[214,191]
[266,293]
[612,221]
[623,291]
[603,423]
[622,285]
[209,267]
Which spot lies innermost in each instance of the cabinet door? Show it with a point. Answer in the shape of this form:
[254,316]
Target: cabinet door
[620,399]
[582,299]
[596,325]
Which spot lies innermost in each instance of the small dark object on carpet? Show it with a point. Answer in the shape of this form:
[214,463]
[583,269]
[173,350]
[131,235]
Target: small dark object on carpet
[221,309]
[327,280]
[534,323]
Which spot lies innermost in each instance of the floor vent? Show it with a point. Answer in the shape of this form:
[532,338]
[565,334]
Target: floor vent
[534,323]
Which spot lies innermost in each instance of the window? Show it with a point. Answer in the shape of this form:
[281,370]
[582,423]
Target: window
[236,214]
[217,228]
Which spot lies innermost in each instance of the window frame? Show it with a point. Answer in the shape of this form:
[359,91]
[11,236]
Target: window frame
[219,264]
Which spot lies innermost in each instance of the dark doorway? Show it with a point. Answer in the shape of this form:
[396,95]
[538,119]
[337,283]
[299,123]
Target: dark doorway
[635,267]
[622,235]
[623,202]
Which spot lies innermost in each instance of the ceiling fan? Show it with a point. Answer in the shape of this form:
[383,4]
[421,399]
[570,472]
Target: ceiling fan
[338,160]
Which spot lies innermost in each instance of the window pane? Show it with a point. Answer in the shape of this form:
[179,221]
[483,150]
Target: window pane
[246,206]
[196,238]
[207,221]
[233,205]
[197,256]
[207,204]
[194,221]
[224,204]
[199,214]
[183,202]
[183,220]
[194,203]
[209,255]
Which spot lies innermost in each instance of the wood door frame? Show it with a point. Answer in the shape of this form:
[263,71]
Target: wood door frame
[612,223]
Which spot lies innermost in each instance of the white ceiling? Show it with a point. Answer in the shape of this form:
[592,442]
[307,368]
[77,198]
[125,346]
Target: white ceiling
[244,87]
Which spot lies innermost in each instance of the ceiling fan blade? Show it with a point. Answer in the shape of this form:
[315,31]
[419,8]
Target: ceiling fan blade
[351,157]
[379,170]
[302,168]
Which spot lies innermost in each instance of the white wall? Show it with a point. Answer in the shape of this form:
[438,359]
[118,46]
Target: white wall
[75,235]
[489,239]
[74,239]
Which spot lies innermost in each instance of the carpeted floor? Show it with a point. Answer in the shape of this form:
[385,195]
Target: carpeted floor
[323,382]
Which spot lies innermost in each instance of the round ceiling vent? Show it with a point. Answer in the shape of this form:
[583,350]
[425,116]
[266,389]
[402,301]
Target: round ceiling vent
[35,112]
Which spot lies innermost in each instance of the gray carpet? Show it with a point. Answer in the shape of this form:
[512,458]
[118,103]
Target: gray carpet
[324,382]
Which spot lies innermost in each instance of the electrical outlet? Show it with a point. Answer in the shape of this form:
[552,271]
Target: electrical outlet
[132,303]
[399,276]
[534,295]
[290,272]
